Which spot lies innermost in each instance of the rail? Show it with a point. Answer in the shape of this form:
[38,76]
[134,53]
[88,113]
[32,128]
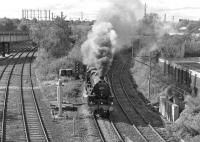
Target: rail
[3,123]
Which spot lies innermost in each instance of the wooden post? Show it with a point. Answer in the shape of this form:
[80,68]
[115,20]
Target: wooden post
[190,79]
[132,53]
[185,77]
[165,67]
[168,68]
[195,80]
[74,116]
[182,76]
[178,75]
[59,97]
[175,69]
[8,51]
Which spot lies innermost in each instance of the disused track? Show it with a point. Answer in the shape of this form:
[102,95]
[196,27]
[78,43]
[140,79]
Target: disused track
[144,130]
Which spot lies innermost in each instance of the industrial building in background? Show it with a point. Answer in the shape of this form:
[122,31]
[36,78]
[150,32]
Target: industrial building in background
[41,15]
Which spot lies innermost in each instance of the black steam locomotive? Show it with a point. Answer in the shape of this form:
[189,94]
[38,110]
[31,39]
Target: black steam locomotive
[100,99]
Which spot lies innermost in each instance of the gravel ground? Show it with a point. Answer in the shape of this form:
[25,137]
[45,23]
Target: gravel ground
[62,130]
[124,126]
[108,131]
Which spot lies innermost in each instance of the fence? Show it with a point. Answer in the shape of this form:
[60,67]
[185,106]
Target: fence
[179,74]
[183,76]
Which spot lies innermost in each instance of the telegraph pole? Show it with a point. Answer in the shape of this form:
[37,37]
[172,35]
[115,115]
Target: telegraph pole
[149,75]
[52,16]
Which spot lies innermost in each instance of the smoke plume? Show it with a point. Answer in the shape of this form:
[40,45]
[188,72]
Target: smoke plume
[114,29]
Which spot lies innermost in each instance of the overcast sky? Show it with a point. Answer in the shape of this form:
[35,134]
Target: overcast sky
[72,8]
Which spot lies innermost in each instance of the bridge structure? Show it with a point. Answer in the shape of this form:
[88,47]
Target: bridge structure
[6,38]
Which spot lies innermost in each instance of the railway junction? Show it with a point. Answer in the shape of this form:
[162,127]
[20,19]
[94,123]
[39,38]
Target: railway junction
[25,117]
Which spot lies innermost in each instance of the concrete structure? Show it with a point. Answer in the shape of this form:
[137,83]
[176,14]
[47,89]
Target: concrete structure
[13,36]
[187,70]
[175,112]
[162,101]
[168,109]
[8,37]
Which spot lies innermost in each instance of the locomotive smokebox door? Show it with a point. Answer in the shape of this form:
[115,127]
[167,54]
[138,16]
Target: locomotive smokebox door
[65,73]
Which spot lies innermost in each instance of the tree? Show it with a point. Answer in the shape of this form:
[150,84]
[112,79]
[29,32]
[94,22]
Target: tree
[8,24]
[54,36]
[172,46]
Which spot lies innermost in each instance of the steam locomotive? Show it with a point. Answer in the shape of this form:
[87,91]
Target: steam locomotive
[100,98]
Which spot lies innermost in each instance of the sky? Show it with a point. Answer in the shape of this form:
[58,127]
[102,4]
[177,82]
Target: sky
[189,9]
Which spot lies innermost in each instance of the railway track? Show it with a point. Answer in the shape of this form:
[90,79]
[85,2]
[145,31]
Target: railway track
[145,132]
[7,105]
[41,131]
[107,130]
[31,127]
[141,108]
[35,129]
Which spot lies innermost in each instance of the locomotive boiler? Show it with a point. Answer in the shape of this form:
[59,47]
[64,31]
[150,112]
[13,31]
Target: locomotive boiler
[100,98]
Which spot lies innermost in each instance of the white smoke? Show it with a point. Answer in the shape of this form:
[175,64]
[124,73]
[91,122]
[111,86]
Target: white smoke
[114,28]
[98,49]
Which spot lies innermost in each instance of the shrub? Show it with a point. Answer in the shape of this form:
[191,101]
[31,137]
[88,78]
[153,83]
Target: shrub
[172,46]
[192,48]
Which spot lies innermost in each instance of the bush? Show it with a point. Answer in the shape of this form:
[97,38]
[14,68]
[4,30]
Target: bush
[172,46]
[59,45]
[48,67]
[8,24]
[54,37]
[192,48]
